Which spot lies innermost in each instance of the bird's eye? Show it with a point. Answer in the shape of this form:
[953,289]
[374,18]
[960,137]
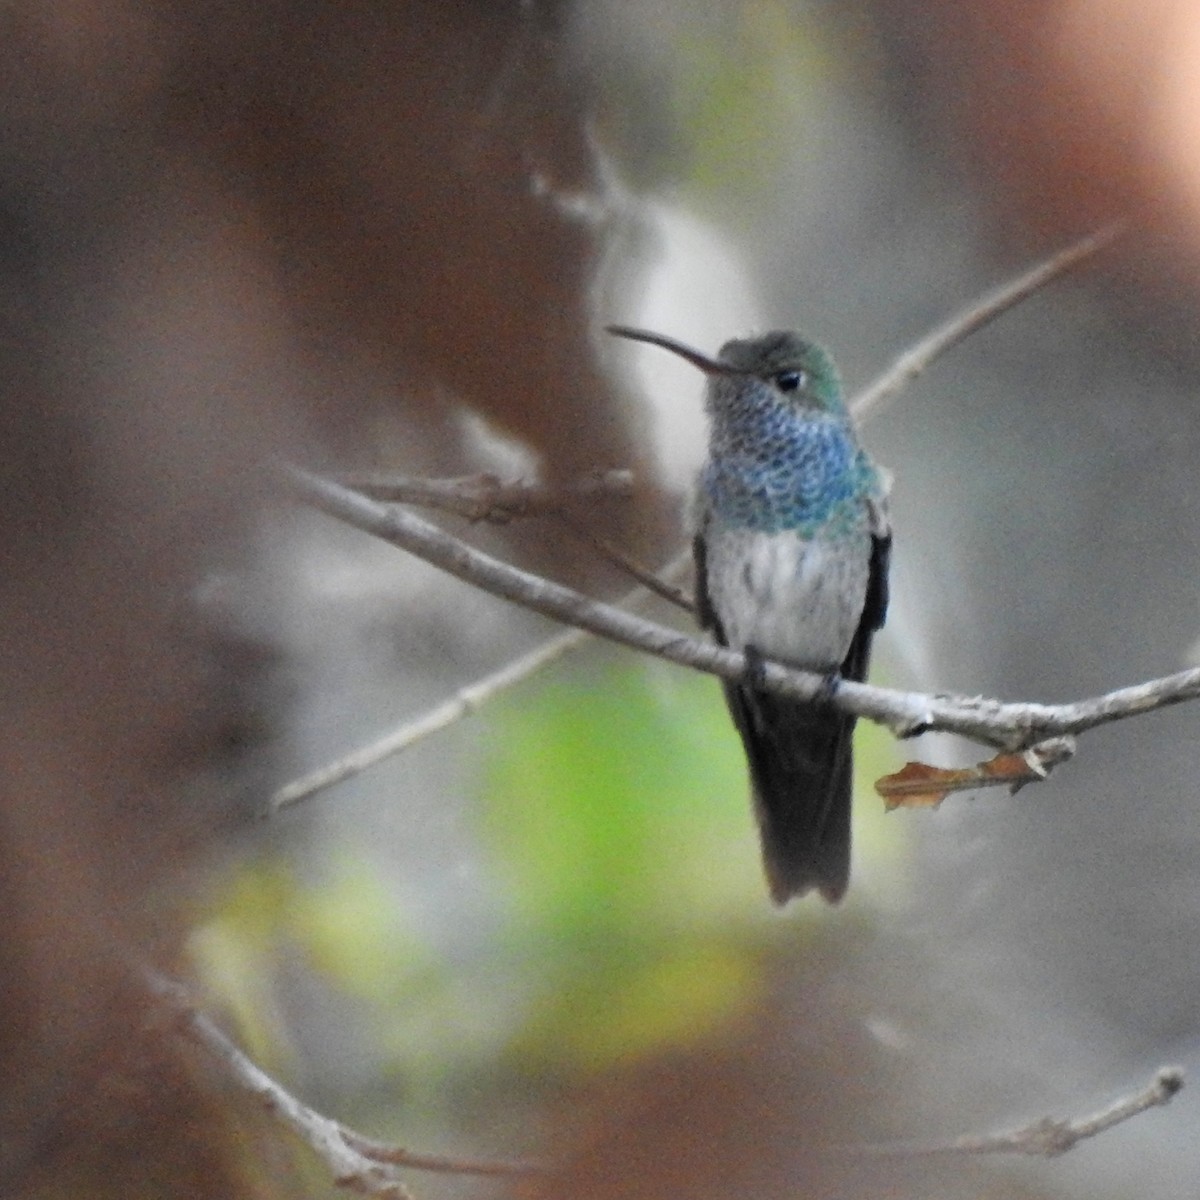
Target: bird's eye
[789,381]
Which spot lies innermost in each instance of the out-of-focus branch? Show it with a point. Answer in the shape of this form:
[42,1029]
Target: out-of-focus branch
[1045,1138]
[917,358]
[359,1163]
[462,704]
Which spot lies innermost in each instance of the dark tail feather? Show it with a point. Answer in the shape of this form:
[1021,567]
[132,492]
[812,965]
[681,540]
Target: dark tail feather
[800,766]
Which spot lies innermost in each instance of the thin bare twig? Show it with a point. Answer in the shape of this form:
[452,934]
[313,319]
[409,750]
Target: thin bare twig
[464,702]
[439,1164]
[359,1163]
[461,704]
[1046,1138]
[874,397]
[991,722]
[486,497]
[651,580]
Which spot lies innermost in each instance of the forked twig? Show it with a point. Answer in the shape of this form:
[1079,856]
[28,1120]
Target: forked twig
[651,580]
[359,1163]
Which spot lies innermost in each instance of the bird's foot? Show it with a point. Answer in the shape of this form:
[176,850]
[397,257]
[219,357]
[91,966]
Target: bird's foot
[829,686]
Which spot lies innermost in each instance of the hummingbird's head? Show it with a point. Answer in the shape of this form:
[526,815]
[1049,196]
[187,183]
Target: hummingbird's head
[778,366]
[801,373]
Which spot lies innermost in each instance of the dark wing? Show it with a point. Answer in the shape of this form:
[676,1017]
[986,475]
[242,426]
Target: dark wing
[705,614]
[874,608]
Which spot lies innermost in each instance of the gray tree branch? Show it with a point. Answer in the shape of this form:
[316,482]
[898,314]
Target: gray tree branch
[990,722]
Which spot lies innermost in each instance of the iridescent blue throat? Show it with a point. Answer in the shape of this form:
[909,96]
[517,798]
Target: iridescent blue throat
[782,471]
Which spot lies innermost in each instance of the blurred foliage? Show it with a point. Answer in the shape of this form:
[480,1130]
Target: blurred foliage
[611,807]
[630,915]
[724,98]
[617,811]
[344,925]
[612,802]
[741,89]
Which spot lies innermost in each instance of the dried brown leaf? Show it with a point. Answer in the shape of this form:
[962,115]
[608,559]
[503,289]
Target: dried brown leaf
[918,785]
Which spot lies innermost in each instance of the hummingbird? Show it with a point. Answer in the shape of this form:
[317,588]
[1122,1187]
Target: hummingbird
[792,541]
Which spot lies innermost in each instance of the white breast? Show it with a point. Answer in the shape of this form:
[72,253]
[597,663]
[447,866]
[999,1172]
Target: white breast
[794,599]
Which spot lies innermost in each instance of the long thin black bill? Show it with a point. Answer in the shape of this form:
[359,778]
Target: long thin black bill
[710,366]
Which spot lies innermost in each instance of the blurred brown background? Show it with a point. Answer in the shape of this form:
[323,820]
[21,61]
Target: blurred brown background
[328,231]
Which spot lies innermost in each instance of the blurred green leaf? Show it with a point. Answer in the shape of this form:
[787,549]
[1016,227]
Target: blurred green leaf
[632,1001]
[632,914]
[352,928]
[617,805]
[616,812]
[345,924]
